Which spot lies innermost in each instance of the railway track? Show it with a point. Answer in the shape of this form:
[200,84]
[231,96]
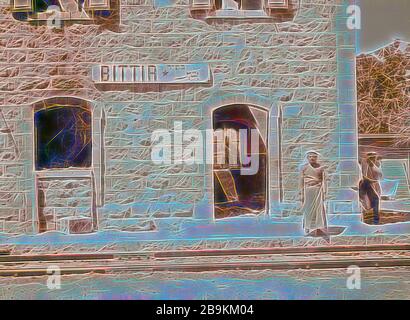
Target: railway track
[335,257]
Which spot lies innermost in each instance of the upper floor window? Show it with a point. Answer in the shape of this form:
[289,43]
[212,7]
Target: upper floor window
[239,5]
[63,10]
[240,8]
[62,134]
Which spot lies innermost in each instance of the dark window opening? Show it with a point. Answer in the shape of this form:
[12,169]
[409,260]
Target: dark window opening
[235,193]
[62,137]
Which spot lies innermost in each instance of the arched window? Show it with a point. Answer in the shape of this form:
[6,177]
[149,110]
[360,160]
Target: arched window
[240,160]
[62,130]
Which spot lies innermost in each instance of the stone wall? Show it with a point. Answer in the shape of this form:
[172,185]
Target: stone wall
[62,198]
[293,67]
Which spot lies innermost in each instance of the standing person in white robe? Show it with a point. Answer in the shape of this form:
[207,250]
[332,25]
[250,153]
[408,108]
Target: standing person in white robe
[313,194]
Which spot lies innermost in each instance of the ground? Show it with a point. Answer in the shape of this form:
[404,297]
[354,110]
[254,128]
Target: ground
[295,266]
[376,283]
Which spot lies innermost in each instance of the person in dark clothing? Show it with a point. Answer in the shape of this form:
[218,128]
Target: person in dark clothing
[369,186]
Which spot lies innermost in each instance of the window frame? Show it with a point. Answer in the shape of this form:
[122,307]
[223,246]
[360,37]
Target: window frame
[194,6]
[276,4]
[26,8]
[268,8]
[89,6]
[97,168]
[267,155]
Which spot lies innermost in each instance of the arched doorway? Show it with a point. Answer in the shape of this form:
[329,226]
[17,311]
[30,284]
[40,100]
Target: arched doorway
[240,167]
[63,165]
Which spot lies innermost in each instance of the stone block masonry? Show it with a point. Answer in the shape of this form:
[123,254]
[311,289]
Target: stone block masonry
[290,68]
[63,198]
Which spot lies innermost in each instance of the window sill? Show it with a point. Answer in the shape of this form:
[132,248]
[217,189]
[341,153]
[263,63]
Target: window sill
[238,15]
[63,16]
[64,173]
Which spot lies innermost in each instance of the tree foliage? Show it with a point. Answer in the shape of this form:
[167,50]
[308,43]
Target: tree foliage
[383,91]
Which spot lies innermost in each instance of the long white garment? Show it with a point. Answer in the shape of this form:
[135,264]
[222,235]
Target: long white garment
[314,190]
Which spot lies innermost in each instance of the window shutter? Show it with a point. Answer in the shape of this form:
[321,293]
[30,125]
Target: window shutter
[202,4]
[98,4]
[22,5]
[277,4]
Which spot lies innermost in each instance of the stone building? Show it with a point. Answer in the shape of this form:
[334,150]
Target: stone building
[84,86]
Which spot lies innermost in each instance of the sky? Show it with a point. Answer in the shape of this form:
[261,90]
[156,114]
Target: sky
[382,22]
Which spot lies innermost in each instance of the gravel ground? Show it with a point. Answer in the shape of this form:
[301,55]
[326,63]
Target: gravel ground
[376,283]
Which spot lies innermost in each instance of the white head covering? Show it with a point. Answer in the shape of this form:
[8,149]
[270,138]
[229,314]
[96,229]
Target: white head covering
[311,152]
[306,161]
